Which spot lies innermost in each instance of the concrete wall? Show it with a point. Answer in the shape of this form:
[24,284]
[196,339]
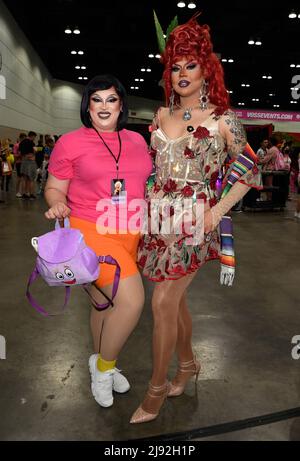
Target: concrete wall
[29,98]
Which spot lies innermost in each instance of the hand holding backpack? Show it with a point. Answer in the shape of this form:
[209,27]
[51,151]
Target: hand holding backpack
[65,260]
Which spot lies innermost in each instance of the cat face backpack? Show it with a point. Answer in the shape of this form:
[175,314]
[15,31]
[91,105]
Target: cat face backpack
[64,260]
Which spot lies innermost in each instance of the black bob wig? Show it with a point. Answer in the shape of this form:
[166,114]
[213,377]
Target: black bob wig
[104,82]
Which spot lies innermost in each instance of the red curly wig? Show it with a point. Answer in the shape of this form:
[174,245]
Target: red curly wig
[193,41]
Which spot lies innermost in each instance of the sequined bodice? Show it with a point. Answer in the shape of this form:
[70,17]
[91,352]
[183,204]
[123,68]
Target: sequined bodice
[191,159]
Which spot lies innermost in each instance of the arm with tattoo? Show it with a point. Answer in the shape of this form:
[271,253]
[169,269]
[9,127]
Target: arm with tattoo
[233,132]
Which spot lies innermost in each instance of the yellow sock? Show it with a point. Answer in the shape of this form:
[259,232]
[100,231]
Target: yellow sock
[104,365]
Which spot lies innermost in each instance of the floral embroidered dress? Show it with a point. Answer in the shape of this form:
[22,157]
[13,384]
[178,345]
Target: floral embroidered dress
[186,167]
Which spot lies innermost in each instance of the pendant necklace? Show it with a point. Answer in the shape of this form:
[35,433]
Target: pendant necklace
[187,115]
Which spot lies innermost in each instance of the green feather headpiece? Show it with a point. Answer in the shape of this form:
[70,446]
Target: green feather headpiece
[160,34]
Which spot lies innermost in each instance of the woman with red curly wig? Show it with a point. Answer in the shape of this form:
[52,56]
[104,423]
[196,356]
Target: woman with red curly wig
[192,138]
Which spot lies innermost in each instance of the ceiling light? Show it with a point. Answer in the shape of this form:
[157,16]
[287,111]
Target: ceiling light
[83,67]
[80,52]
[136,87]
[293,65]
[298,66]
[258,42]
[148,70]
[142,80]
[298,16]
[224,60]
[181,4]
[292,15]
[264,76]
[150,55]
[230,60]
[271,94]
[293,102]
[73,52]
[68,30]
[143,70]
[85,78]
[76,31]
[251,42]
[192,5]
[158,56]
[270,77]
[80,78]
[77,67]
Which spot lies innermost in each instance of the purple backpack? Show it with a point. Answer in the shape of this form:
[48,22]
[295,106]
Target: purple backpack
[65,260]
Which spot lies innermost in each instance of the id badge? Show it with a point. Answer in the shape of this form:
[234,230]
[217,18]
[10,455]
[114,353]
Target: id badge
[118,191]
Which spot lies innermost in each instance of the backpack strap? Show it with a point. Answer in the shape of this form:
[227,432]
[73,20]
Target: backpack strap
[107,260]
[35,274]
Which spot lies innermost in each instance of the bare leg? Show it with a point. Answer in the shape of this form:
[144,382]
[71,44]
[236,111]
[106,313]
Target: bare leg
[115,325]
[184,337]
[165,305]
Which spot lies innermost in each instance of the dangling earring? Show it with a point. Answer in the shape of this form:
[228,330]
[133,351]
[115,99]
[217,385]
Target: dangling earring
[172,102]
[204,99]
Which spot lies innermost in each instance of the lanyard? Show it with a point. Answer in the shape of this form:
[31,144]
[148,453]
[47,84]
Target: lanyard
[116,159]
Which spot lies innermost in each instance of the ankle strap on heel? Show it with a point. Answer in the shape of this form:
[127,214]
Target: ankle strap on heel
[185,367]
[157,389]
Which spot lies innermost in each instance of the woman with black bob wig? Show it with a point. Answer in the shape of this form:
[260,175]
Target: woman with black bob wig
[104,82]
[84,168]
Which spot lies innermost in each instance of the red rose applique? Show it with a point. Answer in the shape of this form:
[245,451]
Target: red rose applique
[142,261]
[188,153]
[187,191]
[207,169]
[202,196]
[201,133]
[170,186]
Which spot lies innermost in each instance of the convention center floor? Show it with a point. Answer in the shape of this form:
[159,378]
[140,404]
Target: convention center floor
[243,337]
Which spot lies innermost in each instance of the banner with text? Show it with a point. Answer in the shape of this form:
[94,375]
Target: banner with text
[268,115]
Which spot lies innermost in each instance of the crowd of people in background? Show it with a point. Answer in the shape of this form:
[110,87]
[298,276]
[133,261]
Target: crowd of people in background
[280,156]
[29,161]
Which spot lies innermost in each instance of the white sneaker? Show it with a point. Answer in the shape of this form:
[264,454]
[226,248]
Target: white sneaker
[297,215]
[19,195]
[103,383]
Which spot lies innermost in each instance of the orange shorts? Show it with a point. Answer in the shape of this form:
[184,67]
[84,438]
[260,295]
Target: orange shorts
[122,247]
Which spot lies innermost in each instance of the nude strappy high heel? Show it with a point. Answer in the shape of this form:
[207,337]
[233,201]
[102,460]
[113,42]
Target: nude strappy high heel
[185,371]
[158,394]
